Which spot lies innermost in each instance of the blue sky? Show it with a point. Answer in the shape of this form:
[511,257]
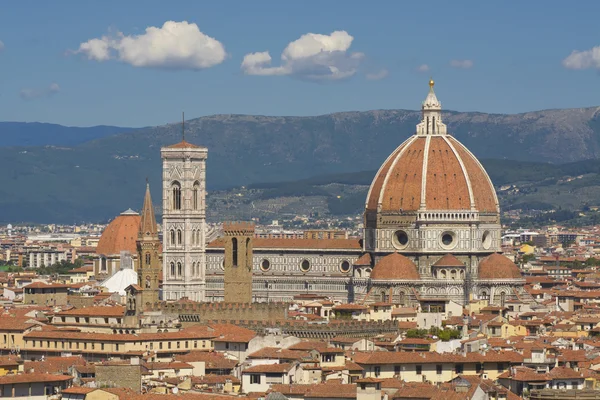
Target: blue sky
[508,57]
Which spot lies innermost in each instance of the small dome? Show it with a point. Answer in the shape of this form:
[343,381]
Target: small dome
[497,266]
[448,260]
[120,235]
[395,267]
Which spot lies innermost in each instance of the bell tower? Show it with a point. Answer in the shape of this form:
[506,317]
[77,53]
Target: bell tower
[238,261]
[148,247]
[184,220]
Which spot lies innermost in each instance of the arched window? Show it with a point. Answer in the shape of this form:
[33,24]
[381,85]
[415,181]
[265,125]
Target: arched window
[402,298]
[195,191]
[148,258]
[193,268]
[443,274]
[179,269]
[172,236]
[172,269]
[234,251]
[248,258]
[179,236]
[383,296]
[502,298]
[176,201]
[453,274]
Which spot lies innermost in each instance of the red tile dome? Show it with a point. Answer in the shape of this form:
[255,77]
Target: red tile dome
[497,266]
[432,171]
[395,267]
[436,171]
[120,235]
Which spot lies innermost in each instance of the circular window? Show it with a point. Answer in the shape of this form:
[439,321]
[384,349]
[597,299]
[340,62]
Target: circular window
[305,266]
[486,240]
[223,265]
[448,240]
[265,265]
[400,239]
[345,267]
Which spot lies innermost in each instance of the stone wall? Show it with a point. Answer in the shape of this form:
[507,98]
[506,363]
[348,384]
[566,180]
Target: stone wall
[121,376]
[304,329]
[192,313]
[80,301]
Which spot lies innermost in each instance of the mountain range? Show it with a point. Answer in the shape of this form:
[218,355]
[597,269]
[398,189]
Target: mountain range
[91,174]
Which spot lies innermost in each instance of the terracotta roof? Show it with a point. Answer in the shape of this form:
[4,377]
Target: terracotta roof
[211,359]
[365,259]
[154,366]
[120,235]
[398,183]
[395,266]
[97,311]
[33,378]
[231,333]
[53,365]
[213,379]
[332,390]
[497,266]
[78,390]
[43,285]
[279,354]
[183,145]
[268,368]
[9,361]
[270,243]
[449,260]
[18,324]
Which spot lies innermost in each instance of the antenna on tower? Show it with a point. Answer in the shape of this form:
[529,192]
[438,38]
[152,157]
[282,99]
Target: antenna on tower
[183,125]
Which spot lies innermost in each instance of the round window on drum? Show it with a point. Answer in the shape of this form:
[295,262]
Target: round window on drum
[345,267]
[265,265]
[305,266]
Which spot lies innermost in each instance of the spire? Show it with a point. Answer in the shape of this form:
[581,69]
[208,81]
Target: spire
[148,219]
[431,121]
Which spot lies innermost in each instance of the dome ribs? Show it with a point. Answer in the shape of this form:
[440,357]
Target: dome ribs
[375,189]
[447,187]
[405,192]
[483,191]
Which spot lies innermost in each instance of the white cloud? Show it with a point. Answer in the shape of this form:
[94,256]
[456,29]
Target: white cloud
[32,94]
[375,76]
[423,68]
[175,45]
[313,56]
[464,64]
[583,59]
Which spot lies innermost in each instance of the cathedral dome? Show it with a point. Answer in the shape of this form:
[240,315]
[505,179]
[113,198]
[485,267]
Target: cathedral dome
[395,267]
[497,266]
[432,171]
[120,235]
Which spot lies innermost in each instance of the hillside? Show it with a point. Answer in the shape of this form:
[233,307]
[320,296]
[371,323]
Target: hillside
[544,191]
[42,134]
[96,179]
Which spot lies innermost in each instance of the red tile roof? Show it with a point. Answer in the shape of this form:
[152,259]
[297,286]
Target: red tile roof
[33,378]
